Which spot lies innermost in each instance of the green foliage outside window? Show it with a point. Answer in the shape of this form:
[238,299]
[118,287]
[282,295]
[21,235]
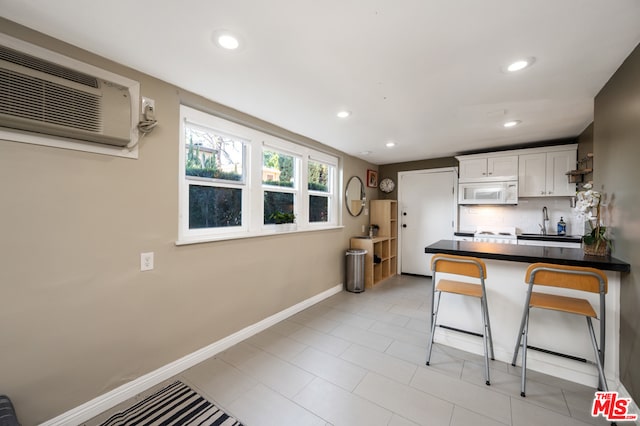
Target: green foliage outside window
[214,207]
[280,163]
[318,177]
[211,155]
[278,207]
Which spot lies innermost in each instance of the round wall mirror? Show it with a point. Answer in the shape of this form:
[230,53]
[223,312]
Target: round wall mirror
[354,196]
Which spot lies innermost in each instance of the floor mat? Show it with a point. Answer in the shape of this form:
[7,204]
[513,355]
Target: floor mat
[176,404]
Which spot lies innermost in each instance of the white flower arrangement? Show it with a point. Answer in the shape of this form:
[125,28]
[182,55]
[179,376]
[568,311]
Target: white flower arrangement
[586,201]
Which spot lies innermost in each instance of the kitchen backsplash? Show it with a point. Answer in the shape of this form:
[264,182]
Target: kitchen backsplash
[526,216]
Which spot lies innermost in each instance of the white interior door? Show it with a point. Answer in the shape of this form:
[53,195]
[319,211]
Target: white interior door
[427,208]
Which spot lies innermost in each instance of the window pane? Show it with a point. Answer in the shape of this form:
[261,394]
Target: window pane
[214,207]
[318,209]
[318,177]
[278,207]
[277,169]
[211,155]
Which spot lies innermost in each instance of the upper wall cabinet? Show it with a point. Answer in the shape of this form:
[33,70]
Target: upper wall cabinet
[487,167]
[544,174]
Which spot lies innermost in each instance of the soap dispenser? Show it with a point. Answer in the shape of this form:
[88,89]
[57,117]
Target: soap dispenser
[562,227]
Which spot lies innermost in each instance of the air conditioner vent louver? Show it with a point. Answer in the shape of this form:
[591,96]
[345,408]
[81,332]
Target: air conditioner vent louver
[51,99]
[34,63]
[32,98]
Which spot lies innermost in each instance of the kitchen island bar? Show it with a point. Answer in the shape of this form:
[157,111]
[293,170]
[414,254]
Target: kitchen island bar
[550,332]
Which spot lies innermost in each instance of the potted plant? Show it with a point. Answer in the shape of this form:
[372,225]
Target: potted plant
[595,241]
[282,217]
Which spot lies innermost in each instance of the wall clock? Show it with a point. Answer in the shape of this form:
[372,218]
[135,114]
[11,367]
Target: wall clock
[387,185]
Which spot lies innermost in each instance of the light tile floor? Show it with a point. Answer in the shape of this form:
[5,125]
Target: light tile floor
[359,359]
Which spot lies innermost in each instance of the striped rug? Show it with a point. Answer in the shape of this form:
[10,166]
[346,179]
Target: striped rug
[177,404]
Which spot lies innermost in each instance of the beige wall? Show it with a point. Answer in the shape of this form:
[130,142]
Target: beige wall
[391,171]
[78,317]
[617,173]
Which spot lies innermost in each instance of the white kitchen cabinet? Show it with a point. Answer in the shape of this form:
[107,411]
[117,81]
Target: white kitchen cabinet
[488,168]
[532,175]
[544,174]
[558,164]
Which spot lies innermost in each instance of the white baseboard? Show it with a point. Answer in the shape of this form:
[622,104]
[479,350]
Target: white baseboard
[110,399]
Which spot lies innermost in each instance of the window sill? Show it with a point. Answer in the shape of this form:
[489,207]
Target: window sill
[266,233]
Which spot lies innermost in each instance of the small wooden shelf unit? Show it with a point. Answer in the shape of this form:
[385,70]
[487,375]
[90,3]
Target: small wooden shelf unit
[383,213]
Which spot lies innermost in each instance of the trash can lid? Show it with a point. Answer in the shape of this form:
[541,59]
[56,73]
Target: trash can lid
[356,252]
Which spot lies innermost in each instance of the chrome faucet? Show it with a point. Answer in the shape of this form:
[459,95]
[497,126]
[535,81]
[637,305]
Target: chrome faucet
[545,219]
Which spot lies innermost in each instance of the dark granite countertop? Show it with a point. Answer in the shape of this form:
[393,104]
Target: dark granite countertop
[528,254]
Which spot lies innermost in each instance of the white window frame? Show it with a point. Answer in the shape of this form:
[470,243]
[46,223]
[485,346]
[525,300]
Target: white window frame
[202,121]
[281,148]
[255,143]
[332,188]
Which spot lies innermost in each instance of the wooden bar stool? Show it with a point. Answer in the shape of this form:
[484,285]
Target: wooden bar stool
[572,278]
[468,267]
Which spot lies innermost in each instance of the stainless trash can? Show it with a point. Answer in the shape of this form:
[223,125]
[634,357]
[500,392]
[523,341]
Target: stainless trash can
[355,270]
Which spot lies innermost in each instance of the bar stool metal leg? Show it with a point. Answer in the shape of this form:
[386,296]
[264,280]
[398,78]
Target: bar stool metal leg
[603,381]
[524,355]
[486,310]
[485,343]
[434,317]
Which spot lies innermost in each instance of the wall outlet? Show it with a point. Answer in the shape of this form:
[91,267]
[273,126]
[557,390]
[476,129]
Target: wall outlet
[146,261]
[148,101]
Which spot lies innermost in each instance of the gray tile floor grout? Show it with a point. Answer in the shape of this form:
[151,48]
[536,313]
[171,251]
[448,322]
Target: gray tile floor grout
[358,359]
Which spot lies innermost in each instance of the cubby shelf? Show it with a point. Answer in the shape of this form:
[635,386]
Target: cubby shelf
[383,213]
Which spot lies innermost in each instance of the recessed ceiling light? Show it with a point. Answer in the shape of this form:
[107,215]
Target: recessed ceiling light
[343,114]
[390,144]
[365,152]
[512,123]
[226,40]
[520,64]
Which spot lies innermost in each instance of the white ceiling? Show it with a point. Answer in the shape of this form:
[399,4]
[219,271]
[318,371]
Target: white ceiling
[425,74]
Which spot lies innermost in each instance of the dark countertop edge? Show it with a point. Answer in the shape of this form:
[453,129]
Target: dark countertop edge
[527,254]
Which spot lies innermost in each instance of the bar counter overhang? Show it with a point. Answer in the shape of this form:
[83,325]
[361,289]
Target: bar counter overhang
[548,330]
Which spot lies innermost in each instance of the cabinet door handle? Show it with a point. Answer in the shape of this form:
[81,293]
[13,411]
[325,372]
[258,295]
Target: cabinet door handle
[541,192]
[490,173]
[404,226]
[484,174]
[550,192]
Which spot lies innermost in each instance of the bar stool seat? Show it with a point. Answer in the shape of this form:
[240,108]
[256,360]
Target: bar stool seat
[469,267]
[572,278]
[566,304]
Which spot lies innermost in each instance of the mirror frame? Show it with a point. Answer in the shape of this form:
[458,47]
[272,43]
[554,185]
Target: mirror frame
[362,198]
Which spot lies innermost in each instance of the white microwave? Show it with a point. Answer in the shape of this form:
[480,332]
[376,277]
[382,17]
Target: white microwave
[488,193]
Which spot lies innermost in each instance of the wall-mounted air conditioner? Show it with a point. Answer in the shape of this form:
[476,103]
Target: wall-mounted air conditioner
[45,93]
